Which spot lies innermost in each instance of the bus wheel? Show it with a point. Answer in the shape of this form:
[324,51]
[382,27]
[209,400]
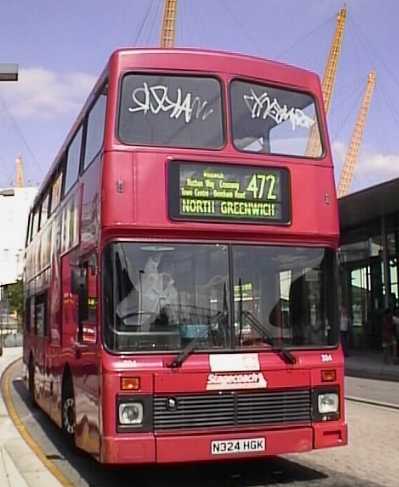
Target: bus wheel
[68,410]
[31,381]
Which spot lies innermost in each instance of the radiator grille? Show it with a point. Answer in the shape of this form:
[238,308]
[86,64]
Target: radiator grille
[232,409]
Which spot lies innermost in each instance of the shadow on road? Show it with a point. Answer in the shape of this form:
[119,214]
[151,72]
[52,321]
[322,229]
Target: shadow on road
[82,470]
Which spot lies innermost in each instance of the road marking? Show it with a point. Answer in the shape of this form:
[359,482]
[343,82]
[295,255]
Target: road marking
[23,431]
[372,402]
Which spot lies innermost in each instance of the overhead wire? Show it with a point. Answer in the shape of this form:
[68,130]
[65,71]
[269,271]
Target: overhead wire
[381,129]
[149,27]
[19,131]
[305,37]
[153,36]
[152,20]
[368,46]
[344,92]
[241,27]
[359,51]
[349,112]
[394,113]
[201,26]
[143,22]
[6,173]
[180,24]
[382,88]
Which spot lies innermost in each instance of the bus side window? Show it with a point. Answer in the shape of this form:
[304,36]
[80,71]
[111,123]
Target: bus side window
[27,314]
[56,190]
[27,238]
[95,129]
[73,160]
[41,314]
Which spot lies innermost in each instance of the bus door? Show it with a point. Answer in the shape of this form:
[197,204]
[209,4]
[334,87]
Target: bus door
[86,381]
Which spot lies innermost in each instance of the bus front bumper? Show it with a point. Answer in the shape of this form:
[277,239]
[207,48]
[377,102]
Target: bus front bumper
[147,448]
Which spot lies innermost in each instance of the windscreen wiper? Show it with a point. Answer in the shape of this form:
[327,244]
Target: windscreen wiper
[186,351]
[255,323]
[285,354]
[191,346]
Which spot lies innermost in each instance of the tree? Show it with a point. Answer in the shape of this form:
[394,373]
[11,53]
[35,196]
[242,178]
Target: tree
[15,295]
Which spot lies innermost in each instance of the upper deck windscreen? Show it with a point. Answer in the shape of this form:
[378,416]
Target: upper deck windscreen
[172,111]
[273,120]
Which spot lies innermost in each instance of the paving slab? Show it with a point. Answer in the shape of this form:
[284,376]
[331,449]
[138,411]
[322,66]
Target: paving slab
[9,473]
[19,465]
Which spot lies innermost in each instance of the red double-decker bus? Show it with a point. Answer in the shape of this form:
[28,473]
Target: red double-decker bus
[180,276]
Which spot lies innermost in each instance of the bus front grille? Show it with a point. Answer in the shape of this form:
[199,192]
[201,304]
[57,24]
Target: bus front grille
[237,409]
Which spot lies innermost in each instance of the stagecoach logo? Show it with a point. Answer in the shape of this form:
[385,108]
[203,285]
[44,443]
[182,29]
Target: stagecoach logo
[253,380]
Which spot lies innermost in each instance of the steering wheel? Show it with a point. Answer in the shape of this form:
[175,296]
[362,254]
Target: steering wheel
[252,341]
[138,314]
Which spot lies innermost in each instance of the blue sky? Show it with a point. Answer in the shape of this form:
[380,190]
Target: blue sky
[61,48]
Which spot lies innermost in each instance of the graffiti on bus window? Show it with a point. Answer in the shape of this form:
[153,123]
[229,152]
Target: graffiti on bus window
[263,106]
[156,99]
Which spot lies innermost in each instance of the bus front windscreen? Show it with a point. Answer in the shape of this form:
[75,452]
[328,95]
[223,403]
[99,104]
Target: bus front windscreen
[161,297]
[171,111]
[272,120]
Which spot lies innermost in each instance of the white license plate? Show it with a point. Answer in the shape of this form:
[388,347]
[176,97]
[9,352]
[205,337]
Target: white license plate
[247,445]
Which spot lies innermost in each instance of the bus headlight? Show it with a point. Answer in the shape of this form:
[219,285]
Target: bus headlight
[328,402]
[131,413]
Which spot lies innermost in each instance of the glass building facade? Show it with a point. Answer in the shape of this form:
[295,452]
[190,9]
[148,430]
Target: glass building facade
[369,261]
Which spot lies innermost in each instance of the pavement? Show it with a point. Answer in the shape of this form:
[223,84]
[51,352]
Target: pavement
[369,364]
[371,457]
[370,391]
[19,466]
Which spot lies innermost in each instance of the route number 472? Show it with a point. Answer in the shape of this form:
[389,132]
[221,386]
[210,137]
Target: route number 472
[262,185]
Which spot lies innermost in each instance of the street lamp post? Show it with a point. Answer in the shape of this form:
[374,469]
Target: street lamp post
[1,320]
[8,72]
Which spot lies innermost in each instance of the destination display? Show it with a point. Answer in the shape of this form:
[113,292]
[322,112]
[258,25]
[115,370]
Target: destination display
[228,192]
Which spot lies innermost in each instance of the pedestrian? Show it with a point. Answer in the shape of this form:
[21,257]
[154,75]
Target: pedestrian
[395,319]
[389,337]
[344,329]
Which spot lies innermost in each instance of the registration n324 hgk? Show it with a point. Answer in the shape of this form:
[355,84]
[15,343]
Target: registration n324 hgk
[245,445]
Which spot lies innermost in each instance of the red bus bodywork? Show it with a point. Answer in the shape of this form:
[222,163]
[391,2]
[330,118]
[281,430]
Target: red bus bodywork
[123,196]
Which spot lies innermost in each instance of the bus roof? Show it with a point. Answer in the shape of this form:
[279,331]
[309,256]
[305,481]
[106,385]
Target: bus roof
[212,61]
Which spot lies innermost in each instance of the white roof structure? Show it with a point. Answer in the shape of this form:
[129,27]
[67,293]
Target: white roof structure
[14,210]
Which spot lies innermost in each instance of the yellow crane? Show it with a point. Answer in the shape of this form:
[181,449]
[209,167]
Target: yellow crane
[20,179]
[330,72]
[168,32]
[351,158]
